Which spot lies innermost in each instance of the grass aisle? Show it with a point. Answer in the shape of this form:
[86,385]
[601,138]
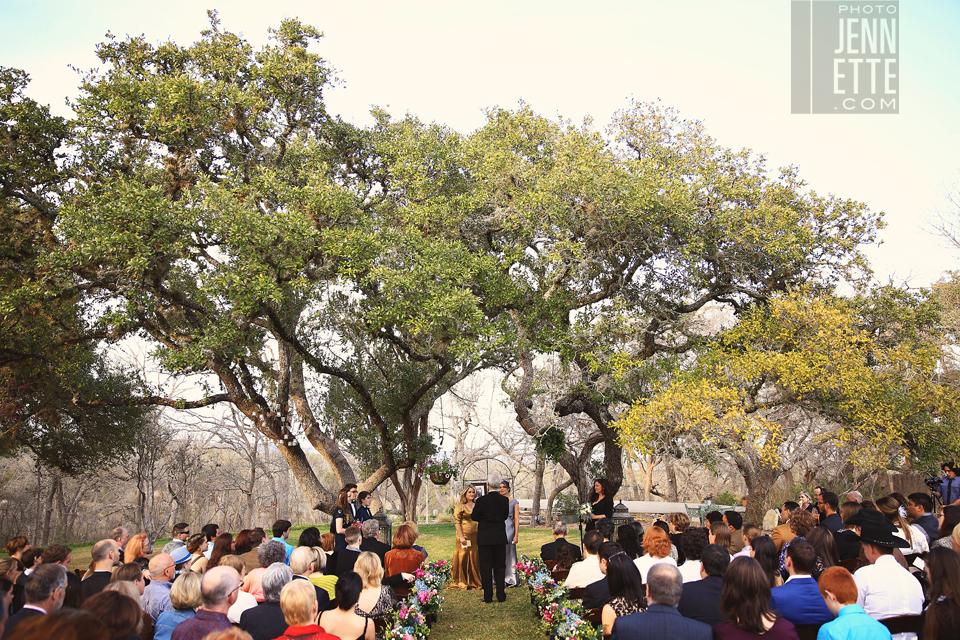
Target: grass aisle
[464,617]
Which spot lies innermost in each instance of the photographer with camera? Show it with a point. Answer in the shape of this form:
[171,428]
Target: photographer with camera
[949,486]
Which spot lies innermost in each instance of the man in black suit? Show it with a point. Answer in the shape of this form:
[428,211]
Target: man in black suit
[347,557]
[661,619]
[549,550]
[490,513]
[45,591]
[701,598]
[597,593]
[105,555]
[371,543]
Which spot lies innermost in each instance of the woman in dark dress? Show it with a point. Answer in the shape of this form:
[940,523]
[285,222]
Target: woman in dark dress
[942,617]
[601,499]
[343,515]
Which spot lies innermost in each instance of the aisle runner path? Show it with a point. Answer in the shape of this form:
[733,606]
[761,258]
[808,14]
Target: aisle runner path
[464,617]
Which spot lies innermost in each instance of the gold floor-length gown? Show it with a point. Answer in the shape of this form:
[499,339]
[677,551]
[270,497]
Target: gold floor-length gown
[466,562]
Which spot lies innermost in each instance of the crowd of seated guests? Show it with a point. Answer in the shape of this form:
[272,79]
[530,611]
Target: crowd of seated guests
[859,570]
[209,586]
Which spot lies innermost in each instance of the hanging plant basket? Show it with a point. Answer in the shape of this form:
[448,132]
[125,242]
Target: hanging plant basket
[439,478]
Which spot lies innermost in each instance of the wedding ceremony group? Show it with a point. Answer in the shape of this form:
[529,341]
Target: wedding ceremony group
[830,570]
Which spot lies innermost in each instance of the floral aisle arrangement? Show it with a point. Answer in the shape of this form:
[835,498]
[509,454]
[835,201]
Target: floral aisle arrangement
[561,618]
[411,620]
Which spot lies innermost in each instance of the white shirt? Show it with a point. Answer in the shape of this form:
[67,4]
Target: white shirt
[244,601]
[887,590]
[585,572]
[646,561]
[690,570]
[920,543]
[743,553]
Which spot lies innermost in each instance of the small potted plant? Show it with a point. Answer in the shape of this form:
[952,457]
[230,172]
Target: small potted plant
[708,499]
[440,470]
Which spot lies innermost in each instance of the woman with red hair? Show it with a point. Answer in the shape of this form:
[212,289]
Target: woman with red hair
[656,549]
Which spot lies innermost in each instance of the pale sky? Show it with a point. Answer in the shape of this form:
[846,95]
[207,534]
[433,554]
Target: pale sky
[725,63]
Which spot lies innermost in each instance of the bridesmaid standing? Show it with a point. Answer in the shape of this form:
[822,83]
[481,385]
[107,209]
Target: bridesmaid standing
[513,532]
[465,573]
[344,515]
[602,502]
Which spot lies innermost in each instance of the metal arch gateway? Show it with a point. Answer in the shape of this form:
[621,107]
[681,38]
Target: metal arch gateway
[475,474]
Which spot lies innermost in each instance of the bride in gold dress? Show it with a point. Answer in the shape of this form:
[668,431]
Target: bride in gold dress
[466,557]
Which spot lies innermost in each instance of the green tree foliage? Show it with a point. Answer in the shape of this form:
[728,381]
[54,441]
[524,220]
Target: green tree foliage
[49,354]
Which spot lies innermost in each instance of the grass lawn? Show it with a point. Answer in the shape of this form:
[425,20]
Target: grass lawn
[464,617]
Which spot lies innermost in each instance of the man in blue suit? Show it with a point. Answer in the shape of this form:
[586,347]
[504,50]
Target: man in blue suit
[799,599]
[661,619]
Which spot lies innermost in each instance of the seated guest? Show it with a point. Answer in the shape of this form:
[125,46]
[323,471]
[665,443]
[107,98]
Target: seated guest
[701,598]
[376,599]
[949,518]
[44,593]
[678,523]
[319,577]
[587,570]
[735,521]
[564,559]
[885,588]
[416,534]
[328,543]
[301,563]
[764,551]
[266,621]
[839,591]
[370,530]
[661,619]
[137,547]
[298,601]
[597,593]
[824,543]
[799,600]
[846,540]
[713,517]
[719,533]
[348,556]
[218,591]
[62,554]
[674,552]
[244,600]
[222,546]
[745,605]
[942,617]
[549,550]
[829,508]
[783,533]
[630,539]
[692,542]
[627,593]
[403,558]
[748,533]
[198,546]
[801,522]
[343,621]
[249,557]
[130,590]
[606,528]
[281,531]
[185,598]
[656,548]
[64,624]
[309,537]
[156,595]
[889,506]
[268,553]
[120,614]
[105,556]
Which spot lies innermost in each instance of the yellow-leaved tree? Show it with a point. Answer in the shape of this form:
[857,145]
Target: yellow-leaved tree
[805,376]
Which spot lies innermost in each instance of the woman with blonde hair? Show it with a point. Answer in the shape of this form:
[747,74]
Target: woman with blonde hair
[136,548]
[298,601]
[656,549]
[185,598]
[376,600]
[244,600]
[319,578]
[465,573]
[889,506]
